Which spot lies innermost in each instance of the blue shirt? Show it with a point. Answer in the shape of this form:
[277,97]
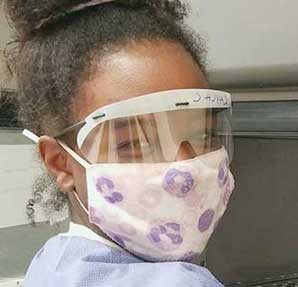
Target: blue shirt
[80,258]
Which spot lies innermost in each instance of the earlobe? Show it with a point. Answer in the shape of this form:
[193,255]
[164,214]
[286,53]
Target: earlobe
[57,163]
[65,182]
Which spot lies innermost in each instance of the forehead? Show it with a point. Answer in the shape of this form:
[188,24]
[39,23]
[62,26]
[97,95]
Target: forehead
[138,69]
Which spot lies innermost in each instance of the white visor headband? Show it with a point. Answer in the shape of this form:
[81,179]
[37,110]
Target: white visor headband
[154,103]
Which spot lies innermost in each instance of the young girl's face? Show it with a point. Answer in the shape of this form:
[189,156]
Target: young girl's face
[137,69]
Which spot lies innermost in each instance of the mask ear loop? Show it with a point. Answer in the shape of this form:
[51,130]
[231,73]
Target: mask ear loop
[85,164]
[80,202]
[73,154]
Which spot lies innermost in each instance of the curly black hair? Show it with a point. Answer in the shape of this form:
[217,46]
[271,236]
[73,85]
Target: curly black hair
[55,48]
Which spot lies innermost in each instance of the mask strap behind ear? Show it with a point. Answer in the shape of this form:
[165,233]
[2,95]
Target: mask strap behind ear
[80,202]
[74,155]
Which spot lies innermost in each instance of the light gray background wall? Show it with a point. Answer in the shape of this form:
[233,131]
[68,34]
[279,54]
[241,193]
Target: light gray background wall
[251,43]
[19,241]
[248,33]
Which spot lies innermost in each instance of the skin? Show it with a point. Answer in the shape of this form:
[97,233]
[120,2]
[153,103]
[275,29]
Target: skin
[137,69]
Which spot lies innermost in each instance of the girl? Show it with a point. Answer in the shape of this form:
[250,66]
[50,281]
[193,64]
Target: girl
[116,96]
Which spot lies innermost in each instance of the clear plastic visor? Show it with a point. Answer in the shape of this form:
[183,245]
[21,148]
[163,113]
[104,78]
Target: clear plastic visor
[159,137]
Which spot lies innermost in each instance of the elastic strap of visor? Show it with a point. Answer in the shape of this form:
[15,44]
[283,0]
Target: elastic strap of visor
[30,135]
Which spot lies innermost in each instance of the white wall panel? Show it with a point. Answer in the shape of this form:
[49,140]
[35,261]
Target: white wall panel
[18,169]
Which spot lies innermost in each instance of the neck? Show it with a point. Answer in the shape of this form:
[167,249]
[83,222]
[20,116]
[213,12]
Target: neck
[78,216]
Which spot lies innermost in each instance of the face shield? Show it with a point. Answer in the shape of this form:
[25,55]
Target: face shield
[162,127]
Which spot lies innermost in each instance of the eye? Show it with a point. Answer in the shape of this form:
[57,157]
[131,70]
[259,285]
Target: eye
[123,145]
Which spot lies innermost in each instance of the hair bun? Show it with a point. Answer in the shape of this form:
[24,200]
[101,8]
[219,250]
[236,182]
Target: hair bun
[28,15]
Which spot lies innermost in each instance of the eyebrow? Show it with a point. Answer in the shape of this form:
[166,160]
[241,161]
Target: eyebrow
[121,123]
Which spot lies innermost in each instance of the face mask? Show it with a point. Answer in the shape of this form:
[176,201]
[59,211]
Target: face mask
[160,211]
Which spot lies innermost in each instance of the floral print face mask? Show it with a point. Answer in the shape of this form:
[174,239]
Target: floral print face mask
[160,211]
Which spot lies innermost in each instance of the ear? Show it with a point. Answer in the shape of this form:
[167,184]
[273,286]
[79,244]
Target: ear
[57,162]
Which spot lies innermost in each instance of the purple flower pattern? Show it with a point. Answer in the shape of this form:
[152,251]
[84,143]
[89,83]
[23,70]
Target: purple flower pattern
[223,173]
[106,187]
[178,183]
[168,234]
[206,220]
